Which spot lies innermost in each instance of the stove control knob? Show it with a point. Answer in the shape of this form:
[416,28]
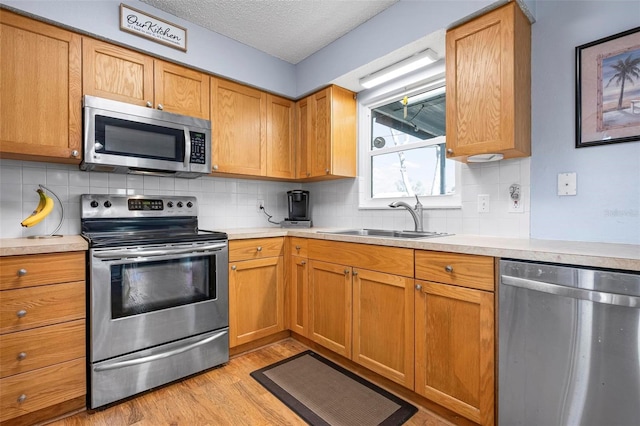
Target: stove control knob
[107,204]
[170,204]
[94,204]
[189,204]
[179,204]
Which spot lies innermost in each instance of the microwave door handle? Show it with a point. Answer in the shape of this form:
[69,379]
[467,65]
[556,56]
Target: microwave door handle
[187,148]
[155,252]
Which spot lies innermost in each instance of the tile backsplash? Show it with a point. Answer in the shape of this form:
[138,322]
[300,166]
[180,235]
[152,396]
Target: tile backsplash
[223,203]
[227,203]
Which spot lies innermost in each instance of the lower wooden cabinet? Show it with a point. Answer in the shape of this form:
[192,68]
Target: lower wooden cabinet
[455,347]
[330,295]
[256,289]
[42,336]
[383,320]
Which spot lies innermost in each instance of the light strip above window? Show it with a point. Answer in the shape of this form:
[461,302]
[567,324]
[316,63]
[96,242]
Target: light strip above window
[412,63]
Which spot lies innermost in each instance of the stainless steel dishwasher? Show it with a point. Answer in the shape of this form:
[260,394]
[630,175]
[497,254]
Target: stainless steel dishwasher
[569,346]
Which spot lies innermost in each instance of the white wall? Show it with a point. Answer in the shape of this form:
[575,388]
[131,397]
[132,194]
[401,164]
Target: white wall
[224,203]
[607,206]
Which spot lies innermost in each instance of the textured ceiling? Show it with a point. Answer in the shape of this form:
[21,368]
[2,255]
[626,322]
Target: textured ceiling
[287,29]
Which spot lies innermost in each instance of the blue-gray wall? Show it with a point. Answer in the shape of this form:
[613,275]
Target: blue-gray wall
[607,205]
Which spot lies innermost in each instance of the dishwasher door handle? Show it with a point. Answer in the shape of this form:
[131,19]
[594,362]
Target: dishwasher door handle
[576,293]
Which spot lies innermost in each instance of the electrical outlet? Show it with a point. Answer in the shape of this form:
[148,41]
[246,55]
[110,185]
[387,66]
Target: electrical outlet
[567,184]
[515,199]
[483,203]
[259,206]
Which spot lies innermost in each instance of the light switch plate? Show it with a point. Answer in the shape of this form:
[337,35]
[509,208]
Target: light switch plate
[567,184]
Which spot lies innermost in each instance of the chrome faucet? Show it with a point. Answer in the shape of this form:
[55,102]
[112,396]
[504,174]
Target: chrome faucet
[416,212]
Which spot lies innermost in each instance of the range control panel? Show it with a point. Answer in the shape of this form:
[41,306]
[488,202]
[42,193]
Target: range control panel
[122,206]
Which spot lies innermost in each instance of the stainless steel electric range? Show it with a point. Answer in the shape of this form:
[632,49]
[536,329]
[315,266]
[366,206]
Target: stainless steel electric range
[157,293]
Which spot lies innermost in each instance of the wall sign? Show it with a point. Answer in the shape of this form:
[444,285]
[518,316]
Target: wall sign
[608,90]
[142,24]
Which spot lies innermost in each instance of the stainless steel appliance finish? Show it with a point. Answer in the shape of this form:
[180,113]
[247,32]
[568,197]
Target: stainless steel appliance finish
[126,138]
[158,293]
[569,345]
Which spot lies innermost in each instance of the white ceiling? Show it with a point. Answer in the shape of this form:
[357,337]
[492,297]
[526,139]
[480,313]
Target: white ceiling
[287,29]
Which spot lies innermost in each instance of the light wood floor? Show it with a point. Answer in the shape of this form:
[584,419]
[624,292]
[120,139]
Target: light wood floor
[222,396]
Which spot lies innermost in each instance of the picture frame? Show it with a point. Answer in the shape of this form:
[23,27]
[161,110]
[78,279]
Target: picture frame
[608,90]
[142,24]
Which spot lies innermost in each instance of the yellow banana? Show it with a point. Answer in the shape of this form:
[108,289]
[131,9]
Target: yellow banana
[45,206]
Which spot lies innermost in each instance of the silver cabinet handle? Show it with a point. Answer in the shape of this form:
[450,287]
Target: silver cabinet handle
[298,248]
[355,273]
[215,167]
[326,171]
[346,272]
[21,356]
[75,153]
[22,398]
[448,268]
[308,174]
[449,151]
[160,107]
[234,267]
[22,272]
[304,262]
[149,104]
[418,287]
[259,248]
[21,313]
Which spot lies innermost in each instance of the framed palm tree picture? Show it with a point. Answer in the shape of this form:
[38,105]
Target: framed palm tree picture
[608,90]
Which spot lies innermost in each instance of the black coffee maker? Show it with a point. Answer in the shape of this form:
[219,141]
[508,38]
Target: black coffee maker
[299,214]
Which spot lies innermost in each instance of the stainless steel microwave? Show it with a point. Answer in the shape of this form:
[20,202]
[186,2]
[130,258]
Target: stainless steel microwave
[126,138]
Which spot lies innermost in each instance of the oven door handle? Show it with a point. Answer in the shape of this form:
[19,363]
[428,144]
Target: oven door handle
[119,254]
[150,358]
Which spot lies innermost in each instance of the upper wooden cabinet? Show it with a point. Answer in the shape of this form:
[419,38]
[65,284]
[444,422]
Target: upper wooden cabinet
[123,75]
[326,135]
[40,91]
[488,72]
[253,131]
[239,128]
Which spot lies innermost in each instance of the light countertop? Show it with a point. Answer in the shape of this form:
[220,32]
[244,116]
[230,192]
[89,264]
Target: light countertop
[603,255]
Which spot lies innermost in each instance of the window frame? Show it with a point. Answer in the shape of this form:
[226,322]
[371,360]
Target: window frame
[365,201]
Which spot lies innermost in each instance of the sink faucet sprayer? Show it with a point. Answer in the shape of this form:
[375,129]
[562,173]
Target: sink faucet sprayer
[416,214]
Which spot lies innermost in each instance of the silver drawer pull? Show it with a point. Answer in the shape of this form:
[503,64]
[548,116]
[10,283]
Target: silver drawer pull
[298,248]
[22,272]
[418,287]
[448,268]
[355,273]
[21,356]
[21,313]
[346,272]
[22,398]
[149,104]
[304,262]
[234,267]
[259,248]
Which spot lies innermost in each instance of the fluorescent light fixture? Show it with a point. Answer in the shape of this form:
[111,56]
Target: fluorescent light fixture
[427,94]
[405,66]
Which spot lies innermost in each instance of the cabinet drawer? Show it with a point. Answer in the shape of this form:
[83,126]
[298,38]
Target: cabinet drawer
[24,351]
[298,246]
[42,388]
[31,270]
[466,270]
[38,306]
[256,248]
[393,260]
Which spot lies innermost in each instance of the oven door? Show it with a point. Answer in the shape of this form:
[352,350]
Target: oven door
[146,296]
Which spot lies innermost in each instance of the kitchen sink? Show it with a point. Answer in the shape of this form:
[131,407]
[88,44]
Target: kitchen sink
[387,233]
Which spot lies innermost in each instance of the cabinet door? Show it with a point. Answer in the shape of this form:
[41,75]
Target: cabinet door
[330,306]
[488,103]
[383,321]
[455,349]
[181,90]
[299,296]
[239,126]
[41,91]
[116,73]
[280,140]
[305,120]
[256,299]
[320,150]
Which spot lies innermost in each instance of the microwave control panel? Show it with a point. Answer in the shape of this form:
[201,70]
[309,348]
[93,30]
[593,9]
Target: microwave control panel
[198,147]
